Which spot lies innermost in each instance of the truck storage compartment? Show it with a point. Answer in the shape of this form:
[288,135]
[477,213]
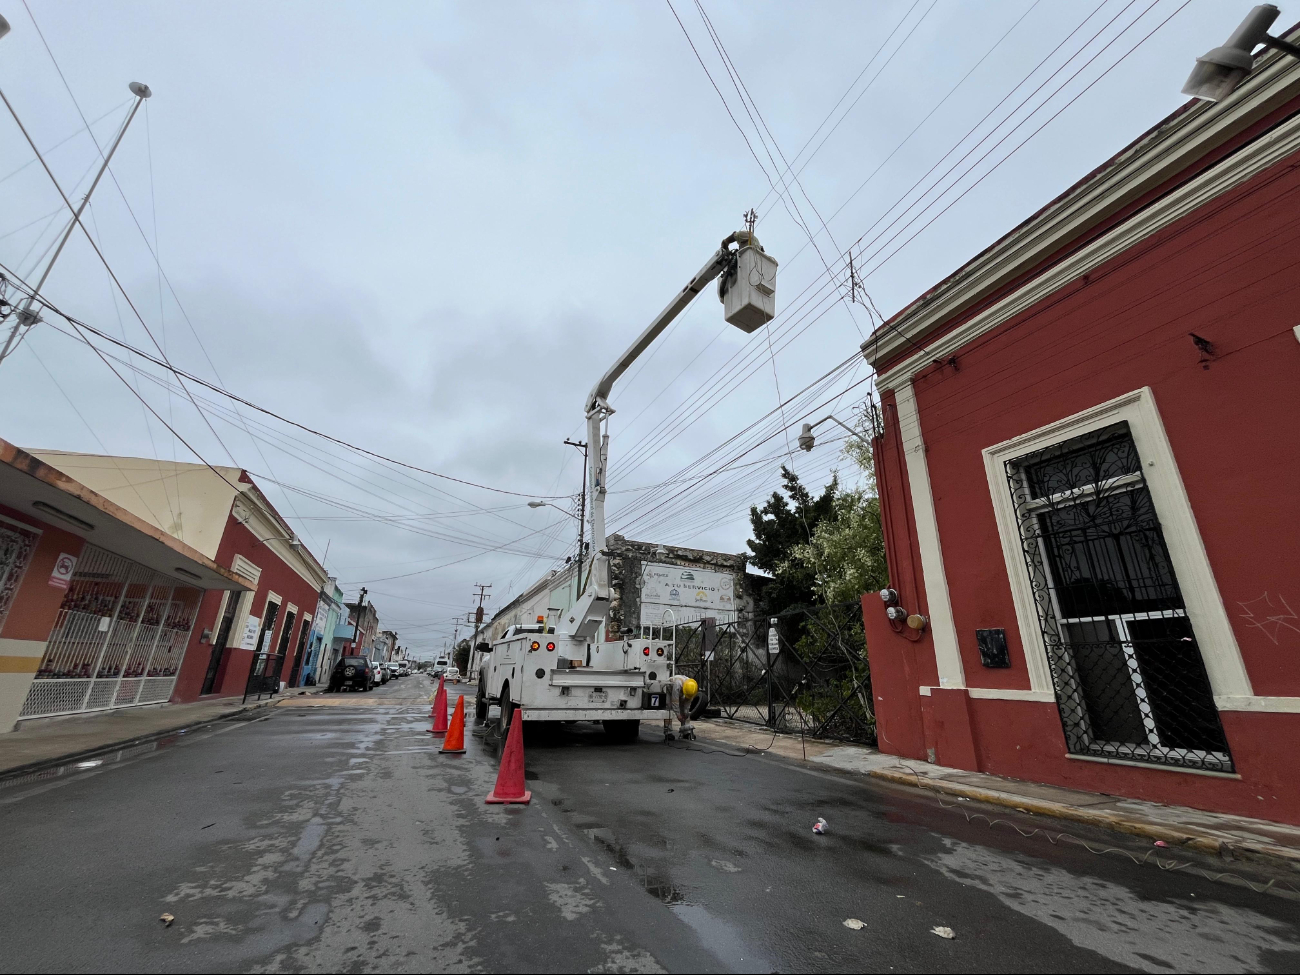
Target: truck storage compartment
[582,677]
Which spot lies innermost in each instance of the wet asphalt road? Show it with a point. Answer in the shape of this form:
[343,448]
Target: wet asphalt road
[335,838]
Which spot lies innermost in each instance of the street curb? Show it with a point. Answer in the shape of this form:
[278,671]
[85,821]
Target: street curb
[30,768]
[1201,842]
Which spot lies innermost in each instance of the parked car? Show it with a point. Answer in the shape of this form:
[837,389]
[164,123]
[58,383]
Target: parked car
[355,673]
[394,669]
[382,675]
[453,675]
[404,670]
[440,666]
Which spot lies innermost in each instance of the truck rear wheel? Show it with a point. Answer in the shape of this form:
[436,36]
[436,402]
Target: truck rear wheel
[622,732]
[507,709]
[481,705]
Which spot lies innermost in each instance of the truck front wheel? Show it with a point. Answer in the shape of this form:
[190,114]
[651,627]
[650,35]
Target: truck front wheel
[622,732]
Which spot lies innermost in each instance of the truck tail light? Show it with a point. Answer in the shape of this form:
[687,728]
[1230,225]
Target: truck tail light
[646,651]
[535,645]
[550,646]
[659,652]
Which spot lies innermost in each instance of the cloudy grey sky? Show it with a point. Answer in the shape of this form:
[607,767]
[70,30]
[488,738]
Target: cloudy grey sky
[427,228]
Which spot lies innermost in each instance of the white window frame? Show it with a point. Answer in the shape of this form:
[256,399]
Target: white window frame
[1224,666]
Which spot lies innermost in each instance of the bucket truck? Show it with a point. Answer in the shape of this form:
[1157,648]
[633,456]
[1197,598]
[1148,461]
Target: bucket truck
[563,668]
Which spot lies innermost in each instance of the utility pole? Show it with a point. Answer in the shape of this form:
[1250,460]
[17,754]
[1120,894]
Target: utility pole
[24,316]
[478,622]
[356,630]
[582,517]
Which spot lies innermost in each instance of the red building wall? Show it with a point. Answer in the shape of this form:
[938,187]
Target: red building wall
[1229,273]
[35,606]
[278,577]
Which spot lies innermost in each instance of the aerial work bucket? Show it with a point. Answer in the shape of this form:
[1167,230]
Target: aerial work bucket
[748,288]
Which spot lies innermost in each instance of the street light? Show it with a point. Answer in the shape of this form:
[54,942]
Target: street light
[547,504]
[294,541]
[25,317]
[4,27]
[1220,71]
[807,441]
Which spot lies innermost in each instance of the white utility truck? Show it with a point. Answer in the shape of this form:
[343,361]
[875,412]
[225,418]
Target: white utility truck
[561,668]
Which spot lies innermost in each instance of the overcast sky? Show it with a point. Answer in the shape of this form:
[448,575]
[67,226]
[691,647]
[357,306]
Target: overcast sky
[428,228]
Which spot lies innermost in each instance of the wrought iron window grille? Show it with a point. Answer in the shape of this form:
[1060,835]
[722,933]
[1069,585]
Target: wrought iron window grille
[1128,675]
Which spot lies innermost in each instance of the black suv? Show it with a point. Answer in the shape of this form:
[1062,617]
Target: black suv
[357,673]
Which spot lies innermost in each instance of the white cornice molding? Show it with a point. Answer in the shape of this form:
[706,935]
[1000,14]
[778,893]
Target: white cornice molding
[1165,153]
[269,528]
[1262,153]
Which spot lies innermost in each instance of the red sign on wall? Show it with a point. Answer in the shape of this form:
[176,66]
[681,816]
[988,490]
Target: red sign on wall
[63,568]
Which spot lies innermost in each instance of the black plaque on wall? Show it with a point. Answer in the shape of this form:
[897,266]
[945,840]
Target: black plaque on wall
[993,648]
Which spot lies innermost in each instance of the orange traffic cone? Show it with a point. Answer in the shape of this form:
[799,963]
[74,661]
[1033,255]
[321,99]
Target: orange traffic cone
[439,712]
[454,743]
[510,777]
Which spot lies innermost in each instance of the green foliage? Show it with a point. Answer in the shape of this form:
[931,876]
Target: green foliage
[829,549]
[461,656]
[779,527]
[847,550]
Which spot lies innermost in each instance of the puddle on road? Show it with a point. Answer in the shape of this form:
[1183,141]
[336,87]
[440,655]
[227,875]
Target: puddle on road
[102,762]
[83,766]
[723,940]
[654,883]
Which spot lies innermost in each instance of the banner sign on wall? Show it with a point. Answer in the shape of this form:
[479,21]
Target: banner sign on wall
[251,626]
[691,594]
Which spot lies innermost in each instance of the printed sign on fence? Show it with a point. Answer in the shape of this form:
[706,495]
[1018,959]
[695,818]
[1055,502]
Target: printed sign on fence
[63,569]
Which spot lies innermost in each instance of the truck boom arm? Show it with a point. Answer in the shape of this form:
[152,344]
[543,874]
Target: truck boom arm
[589,611]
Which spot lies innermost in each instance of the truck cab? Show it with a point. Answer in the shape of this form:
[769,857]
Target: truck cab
[555,677]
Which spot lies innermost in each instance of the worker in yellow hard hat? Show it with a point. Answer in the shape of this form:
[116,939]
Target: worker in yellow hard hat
[680,690]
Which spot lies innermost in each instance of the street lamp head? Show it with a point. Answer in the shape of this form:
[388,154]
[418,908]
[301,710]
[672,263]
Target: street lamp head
[4,27]
[806,439]
[1220,71]
[536,504]
[140,90]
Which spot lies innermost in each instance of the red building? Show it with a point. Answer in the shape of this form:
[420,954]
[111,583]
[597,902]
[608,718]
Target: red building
[241,641]
[97,605]
[1088,460]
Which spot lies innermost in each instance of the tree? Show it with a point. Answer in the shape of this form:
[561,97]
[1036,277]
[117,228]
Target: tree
[461,656]
[827,550]
[847,552]
[779,527]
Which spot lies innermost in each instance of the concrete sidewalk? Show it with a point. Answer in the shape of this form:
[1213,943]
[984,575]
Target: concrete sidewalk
[1226,836]
[46,741]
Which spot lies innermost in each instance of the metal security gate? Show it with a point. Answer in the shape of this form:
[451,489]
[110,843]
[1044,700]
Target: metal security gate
[1129,679]
[118,640]
[817,683]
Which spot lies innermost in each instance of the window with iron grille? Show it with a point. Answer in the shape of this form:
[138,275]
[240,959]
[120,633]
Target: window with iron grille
[1126,668]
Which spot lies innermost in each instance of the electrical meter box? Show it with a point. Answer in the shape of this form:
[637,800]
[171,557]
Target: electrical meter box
[748,290]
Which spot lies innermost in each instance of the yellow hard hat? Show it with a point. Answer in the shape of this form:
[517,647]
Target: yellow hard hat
[689,687]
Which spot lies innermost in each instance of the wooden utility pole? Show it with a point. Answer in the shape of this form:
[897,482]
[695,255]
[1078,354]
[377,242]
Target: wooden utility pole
[478,622]
[582,517]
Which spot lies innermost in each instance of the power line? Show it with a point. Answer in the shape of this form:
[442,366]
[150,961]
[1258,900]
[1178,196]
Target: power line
[183,374]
